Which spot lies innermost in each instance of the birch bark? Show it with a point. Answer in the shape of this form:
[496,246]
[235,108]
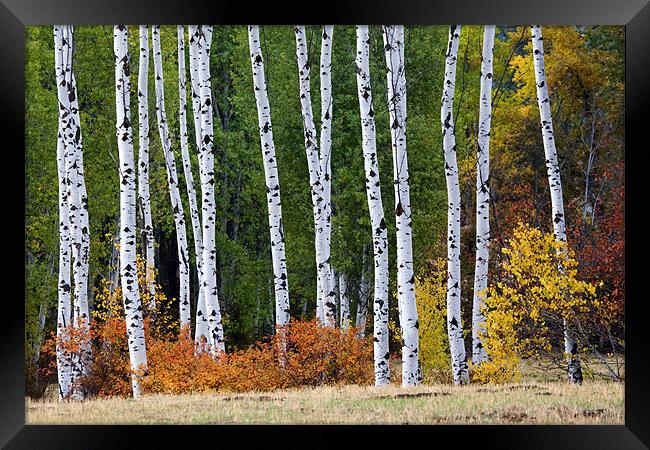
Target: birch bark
[129,279]
[553,171]
[197,233]
[326,302]
[143,162]
[375,208]
[172,178]
[206,160]
[202,329]
[75,194]
[63,357]
[396,83]
[276,230]
[479,354]
[454,322]
[325,166]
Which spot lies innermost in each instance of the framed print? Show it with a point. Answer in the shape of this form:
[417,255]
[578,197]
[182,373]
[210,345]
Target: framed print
[421,221]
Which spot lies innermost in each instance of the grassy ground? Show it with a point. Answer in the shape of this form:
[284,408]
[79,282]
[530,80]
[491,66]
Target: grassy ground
[529,403]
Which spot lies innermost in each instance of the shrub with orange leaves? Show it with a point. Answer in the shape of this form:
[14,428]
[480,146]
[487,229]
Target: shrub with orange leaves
[303,353]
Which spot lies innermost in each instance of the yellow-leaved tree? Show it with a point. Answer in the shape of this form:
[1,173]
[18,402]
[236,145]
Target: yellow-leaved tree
[524,311]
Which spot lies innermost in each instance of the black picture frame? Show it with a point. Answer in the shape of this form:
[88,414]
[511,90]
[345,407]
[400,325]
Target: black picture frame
[634,14]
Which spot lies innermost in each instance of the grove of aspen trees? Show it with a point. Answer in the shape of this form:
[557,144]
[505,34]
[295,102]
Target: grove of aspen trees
[255,208]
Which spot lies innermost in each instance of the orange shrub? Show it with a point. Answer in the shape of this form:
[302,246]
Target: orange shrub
[304,353]
[314,355]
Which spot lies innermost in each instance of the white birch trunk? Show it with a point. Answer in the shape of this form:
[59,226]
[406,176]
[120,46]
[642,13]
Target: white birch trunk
[76,197]
[325,166]
[206,160]
[454,322]
[344,301]
[202,329]
[396,84]
[479,354]
[375,208]
[326,306]
[129,278]
[555,184]
[276,229]
[63,358]
[143,162]
[187,165]
[177,205]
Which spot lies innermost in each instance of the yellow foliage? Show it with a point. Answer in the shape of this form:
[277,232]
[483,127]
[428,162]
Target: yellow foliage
[109,303]
[431,294]
[540,285]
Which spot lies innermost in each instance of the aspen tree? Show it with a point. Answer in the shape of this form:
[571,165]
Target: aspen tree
[143,160]
[408,313]
[280,281]
[454,322]
[375,208]
[482,195]
[128,270]
[555,184]
[172,179]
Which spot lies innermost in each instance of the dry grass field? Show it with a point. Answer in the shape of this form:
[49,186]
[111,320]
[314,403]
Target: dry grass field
[594,402]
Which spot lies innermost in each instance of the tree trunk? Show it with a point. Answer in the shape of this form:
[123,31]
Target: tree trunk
[76,197]
[143,163]
[555,184]
[326,307]
[325,165]
[172,178]
[479,354]
[203,37]
[375,208]
[128,270]
[197,233]
[276,230]
[202,328]
[396,84]
[344,302]
[454,320]
[63,357]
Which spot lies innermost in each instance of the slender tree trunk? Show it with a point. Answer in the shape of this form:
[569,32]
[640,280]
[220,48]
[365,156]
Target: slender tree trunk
[202,328]
[326,307]
[70,130]
[209,281]
[479,354]
[325,165]
[344,301]
[454,322]
[63,357]
[143,162]
[362,302]
[276,230]
[555,184]
[375,208]
[197,233]
[396,83]
[128,270]
[172,177]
